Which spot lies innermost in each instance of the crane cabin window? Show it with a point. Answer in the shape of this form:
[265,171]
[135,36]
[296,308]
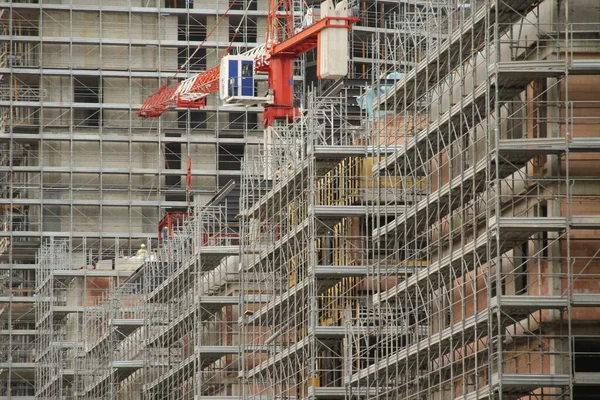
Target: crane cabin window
[247,70]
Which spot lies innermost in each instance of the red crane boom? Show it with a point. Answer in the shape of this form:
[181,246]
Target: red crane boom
[276,57]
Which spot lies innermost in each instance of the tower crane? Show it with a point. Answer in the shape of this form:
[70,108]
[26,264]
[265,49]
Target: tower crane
[234,77]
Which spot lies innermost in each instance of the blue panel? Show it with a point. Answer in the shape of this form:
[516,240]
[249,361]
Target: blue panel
[232,81]
[248,78]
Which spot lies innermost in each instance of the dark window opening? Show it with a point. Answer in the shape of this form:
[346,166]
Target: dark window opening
[587,354]
[247,29]
[494,286]
[197,58]
[230,157]
[86,89]
[544,239]
[521,270]
[197,120]
[179,3]
[242,121]
[585,393]
[173,161]
[244,5]
[173,155]
[92,118]
[191,28]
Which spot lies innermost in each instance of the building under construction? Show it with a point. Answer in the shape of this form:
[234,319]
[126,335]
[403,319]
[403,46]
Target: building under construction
[78,164]
[427,228]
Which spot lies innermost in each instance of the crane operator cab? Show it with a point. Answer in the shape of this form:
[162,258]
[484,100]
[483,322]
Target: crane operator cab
[237,81]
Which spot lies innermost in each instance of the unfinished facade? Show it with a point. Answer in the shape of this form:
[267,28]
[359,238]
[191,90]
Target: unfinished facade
[77,163]
[449,251]
[68,291]
[503,134]
[435,239]
[170,331]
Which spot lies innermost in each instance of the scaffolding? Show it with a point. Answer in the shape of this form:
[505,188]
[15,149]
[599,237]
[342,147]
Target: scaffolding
[170,331]
[161,324]
[196,351]
[76,162]
[447,250]
[305,199]
[427,229]
[69,287]
[494,124]
[113,348]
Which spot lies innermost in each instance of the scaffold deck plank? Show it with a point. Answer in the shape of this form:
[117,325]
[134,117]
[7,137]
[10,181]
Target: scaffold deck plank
[516,384]
[18,366]
[91,273]
[343,271]
[125,369]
